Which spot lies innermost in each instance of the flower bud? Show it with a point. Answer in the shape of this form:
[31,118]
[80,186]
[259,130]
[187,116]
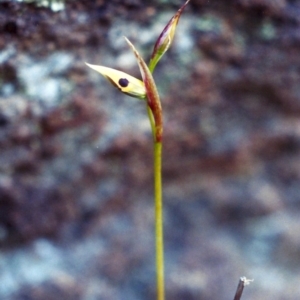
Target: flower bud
[165,39]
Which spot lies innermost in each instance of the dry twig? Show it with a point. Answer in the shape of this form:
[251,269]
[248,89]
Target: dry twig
[239,291]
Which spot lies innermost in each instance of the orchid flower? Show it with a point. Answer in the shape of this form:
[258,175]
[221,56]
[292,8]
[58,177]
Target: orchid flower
[126,83]
[146,89]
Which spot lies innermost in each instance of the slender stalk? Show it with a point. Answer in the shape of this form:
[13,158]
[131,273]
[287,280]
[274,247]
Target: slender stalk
[152,121]
[158,201]
[159,241]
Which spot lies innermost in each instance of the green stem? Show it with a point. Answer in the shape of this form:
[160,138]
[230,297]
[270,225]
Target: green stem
[152,121]
[152,65]
[156,127]
[159,241]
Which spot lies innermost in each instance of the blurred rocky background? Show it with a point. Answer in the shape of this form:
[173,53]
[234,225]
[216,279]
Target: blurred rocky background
[76,213]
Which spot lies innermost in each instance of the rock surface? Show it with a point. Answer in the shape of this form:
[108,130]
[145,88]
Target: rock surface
[76,215]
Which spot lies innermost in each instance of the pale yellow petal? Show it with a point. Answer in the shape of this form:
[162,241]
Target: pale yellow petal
[123,81]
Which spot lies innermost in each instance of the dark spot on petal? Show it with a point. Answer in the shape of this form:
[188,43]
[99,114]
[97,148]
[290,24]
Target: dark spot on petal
[123,82]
